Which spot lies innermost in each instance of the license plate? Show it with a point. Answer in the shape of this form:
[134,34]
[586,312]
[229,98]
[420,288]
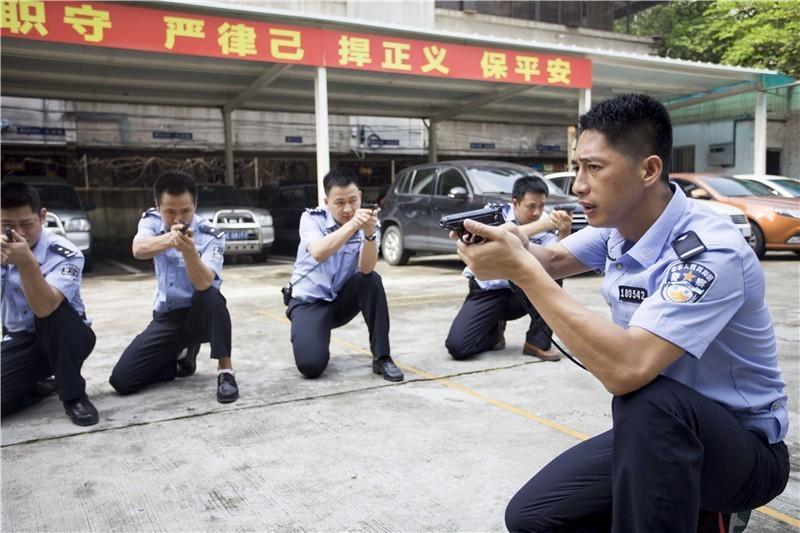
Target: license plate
[236,235]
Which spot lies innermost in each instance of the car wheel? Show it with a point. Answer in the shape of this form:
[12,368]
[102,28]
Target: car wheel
[392,247]
[758,243]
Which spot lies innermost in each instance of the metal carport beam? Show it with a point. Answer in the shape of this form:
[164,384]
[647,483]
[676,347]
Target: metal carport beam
[271,74]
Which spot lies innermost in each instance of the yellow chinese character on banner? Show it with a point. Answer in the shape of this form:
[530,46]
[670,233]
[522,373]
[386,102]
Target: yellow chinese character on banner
[558,70]
[435,57]
[527,66]
[285,44]
[23,16]
[237,39]
[183,27]
[354,50]
[88,22]
[396,55]
[494,65]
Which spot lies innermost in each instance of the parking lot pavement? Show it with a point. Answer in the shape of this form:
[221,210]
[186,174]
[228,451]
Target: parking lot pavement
[444,450]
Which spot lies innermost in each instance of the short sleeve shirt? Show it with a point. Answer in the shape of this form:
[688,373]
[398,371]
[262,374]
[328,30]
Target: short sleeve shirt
[174,289]
[713,305]
[61,265]
[313,281]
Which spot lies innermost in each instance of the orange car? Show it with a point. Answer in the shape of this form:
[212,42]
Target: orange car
[775,220]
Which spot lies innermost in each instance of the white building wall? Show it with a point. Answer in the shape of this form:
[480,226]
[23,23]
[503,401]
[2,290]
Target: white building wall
[708,133]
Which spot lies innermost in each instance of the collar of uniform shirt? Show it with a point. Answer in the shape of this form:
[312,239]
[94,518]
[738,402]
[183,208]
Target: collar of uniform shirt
[40,248]
[647,249]
[330,223]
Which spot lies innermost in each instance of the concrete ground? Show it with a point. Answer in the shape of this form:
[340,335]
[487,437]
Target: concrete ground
[442,451]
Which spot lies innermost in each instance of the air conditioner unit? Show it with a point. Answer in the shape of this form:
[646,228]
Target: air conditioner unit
[721,155]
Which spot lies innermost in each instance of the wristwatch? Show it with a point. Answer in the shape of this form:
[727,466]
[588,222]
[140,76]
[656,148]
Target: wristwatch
[371,237]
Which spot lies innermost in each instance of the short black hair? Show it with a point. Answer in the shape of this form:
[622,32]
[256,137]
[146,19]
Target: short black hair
[635,125]
[338,178]
[526,184]
[15,194]
[174,183]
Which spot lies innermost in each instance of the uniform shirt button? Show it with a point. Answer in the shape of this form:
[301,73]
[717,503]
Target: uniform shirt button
[619,266]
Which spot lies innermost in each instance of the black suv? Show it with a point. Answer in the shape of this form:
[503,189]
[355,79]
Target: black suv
[422,194]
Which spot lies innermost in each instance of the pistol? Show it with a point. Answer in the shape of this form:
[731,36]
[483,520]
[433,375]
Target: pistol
[9,233]
[569,208]
[492,216]
[184,227]
[372,207]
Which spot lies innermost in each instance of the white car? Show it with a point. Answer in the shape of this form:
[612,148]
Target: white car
[780,185]
[563,182]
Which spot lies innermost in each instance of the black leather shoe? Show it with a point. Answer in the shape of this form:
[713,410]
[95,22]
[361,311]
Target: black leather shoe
[227,390]
[45,388]
[81,411]
[188,364]
[501,336]
[386,367]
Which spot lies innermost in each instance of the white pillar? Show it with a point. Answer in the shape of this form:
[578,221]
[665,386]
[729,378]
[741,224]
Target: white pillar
[760,135]
[584,100]
[321,116]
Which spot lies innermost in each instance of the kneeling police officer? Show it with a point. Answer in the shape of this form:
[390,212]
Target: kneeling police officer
[334,279]
[188,308]
[45,330]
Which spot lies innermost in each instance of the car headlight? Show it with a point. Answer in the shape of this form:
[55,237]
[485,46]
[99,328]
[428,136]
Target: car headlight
[787,212]
[78,224]
[264,220]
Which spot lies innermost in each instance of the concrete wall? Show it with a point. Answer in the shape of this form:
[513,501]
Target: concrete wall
[542,32]
[791,146]
[416,14]
[704,134]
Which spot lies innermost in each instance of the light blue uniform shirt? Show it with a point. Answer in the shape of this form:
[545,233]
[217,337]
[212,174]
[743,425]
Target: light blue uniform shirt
[712,305]
[324,282]
[62,267]
[174,289]
[543,239]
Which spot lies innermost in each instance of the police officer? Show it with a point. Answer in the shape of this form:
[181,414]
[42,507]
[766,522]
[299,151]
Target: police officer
[334,279]
[188,308]
[481,322]
[699,412]
[45,330]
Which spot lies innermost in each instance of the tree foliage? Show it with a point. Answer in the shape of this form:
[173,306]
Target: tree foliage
[735,32]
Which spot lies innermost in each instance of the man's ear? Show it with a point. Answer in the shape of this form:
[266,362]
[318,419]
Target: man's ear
[651,170]
[42,214]
[325,200]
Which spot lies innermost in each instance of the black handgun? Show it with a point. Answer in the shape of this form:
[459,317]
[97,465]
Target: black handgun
[372,207]
[184,227]
[492,216]
[9,233]
[569,208]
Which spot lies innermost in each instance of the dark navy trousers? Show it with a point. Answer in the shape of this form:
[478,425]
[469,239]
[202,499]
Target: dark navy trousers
[58,346]
[671,452]
[475,328]
[152,356]
[312,322]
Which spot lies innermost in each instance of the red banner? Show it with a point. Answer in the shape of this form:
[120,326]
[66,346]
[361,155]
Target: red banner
[172,32]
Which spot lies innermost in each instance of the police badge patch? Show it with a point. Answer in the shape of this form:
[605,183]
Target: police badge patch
[686,282]
[218,252]
[70,271]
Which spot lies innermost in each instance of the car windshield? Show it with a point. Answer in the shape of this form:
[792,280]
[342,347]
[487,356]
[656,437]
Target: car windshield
[58,197]
[501,179]
[793,186]
[736,187]
[219,196]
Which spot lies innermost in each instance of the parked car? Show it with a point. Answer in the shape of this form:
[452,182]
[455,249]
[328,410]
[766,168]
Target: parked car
[66,214]
[775,221]
[564,181]
[422,194]
[248,230]
[287,203]
[780,185]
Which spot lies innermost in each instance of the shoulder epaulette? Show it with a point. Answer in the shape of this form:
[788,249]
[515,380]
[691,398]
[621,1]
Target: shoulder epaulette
[211,230]
[63,251]
[688,245]
[150,212]
[315,211]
